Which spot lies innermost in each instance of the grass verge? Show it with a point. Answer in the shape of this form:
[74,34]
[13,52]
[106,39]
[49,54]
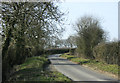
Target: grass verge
[33,70]
[110,68]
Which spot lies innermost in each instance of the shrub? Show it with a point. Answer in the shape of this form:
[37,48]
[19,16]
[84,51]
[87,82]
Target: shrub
[107,52]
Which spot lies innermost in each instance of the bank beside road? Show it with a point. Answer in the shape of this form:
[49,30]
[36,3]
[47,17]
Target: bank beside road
[34,69]
[109,69]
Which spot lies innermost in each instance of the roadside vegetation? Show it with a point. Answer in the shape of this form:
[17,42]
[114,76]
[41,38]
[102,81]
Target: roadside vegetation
[27,30]
[97,65]
[33,69]
[0,46]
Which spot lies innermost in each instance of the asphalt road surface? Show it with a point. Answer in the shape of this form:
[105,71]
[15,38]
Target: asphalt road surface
[77,72]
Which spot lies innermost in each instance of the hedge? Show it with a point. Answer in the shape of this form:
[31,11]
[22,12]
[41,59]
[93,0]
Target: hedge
[107,52]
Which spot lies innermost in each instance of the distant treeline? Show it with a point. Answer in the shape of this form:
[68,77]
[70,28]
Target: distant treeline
[59,50]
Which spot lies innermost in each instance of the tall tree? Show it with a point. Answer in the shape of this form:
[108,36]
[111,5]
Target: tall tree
[90,34]
[26,26]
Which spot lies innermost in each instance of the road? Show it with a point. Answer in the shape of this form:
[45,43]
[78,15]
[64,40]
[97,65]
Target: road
[77,72]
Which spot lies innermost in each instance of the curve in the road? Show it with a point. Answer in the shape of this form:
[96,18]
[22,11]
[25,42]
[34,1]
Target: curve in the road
[77,72]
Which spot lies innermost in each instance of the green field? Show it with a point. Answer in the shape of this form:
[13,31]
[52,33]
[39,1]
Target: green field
[33,70]
[111,68]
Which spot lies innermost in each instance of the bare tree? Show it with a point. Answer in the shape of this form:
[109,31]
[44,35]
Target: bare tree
[90,34]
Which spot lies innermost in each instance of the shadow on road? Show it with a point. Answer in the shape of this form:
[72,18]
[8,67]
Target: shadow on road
[59,59]
[63,64]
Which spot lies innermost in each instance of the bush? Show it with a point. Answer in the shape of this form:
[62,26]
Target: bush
[107,52]
[15,56]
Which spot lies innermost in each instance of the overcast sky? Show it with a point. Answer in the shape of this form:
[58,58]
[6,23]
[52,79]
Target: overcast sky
[106,11]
